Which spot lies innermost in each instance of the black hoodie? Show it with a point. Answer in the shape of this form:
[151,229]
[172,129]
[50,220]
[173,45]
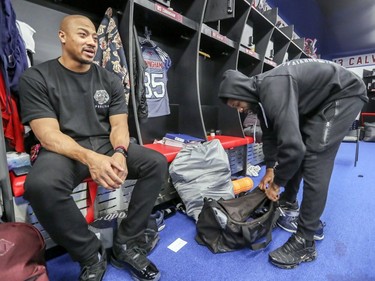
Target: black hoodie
[286,94]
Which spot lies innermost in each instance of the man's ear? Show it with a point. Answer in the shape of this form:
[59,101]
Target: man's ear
[62,36]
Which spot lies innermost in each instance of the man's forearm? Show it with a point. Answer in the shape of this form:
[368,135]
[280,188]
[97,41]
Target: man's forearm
[65,145]
[119,135]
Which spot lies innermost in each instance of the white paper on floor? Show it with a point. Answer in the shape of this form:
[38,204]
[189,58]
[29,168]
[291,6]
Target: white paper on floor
[177,245]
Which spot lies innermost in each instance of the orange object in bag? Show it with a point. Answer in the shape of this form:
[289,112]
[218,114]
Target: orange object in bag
[242,185]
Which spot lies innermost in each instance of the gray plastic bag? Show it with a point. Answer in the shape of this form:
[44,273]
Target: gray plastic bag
[201,171]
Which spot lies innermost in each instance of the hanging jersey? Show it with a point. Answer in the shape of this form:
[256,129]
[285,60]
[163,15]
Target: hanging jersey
[158,63]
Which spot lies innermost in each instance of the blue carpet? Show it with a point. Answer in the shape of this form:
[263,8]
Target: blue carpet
[346,254]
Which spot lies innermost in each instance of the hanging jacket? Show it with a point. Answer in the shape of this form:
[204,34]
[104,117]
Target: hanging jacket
[139,74]
[13,54]
[13,62]
[12,126]
[111,56]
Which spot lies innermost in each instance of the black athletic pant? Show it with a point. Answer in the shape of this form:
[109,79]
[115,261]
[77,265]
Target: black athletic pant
[292,187]
[49,185]
[322,134]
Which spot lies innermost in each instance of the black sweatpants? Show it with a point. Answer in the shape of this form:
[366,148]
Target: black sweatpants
[49,186]
[322,134]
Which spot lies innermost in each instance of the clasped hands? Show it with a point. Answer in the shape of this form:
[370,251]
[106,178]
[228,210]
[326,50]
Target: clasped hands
[109,172]
[271,189]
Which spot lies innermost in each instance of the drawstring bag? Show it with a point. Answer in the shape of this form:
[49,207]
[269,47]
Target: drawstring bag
[22,250]
[200,171]
[246,221]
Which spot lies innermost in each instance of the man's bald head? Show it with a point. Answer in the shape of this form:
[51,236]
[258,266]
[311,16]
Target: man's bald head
[72,20]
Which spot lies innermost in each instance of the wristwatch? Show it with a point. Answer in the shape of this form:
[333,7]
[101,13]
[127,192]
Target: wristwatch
[122,150]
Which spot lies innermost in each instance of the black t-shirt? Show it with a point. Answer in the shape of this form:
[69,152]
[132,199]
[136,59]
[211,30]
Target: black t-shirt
[81,102]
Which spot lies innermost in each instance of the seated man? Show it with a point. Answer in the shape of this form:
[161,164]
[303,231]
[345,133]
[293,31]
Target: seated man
[78,112]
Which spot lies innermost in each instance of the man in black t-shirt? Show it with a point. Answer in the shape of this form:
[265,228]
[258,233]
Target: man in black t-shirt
[78,112]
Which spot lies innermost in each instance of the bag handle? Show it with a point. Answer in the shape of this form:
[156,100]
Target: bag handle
[257,246]
[260,245]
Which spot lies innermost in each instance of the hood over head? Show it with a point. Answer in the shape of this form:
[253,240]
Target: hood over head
[236,85]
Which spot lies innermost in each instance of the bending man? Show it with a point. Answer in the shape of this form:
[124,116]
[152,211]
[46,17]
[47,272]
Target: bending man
[305,107]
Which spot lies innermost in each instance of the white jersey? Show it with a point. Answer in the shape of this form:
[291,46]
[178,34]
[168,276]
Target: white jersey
[158,63]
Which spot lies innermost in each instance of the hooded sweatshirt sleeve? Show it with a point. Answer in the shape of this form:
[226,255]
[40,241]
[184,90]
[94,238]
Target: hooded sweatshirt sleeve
[279,97]
[269,140]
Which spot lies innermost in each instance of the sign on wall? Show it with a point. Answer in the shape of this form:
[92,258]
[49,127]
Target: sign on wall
[356,61]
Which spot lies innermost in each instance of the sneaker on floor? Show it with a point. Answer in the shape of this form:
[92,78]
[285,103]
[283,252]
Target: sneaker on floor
[151,239]
[293,252]
[159,218]
[95,271]
[288,222]
[134,258]
[170,211]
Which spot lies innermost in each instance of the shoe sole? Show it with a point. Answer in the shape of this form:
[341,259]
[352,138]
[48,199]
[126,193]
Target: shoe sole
[291,266]
[161,227]
[121,265]
[317,238]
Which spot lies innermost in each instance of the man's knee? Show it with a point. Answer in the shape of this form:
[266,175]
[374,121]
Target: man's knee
[35,187]
[159,163]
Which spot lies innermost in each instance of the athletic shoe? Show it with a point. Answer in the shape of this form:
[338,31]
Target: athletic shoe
[159,218]
[134,258]
[288,222]
[293,252]
[151,240]
[95,272]
[168,212]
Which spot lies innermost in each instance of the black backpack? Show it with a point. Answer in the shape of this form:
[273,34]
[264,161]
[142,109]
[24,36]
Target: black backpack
[246,221]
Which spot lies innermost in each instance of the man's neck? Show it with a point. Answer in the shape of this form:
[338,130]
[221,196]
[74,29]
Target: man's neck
[74,65]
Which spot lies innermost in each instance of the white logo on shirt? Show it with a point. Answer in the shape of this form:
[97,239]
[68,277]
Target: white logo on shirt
[101,97]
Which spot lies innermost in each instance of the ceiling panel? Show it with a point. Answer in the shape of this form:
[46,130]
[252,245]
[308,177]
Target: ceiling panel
[346,27]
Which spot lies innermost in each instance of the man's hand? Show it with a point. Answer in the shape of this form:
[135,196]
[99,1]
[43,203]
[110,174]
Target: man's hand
[272,191]
[107,171]
[267,179]
[122,174]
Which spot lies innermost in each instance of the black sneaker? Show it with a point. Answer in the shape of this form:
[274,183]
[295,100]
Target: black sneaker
[159,219]
[151,239]
[95,272]
[134,258]
[293,252]
[288,221]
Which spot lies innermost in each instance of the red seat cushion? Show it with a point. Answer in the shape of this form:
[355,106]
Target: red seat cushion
[168,151]
[229,142]
[250,140]
[17,184]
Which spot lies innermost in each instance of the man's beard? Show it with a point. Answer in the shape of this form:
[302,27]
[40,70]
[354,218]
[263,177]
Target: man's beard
[83,61]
